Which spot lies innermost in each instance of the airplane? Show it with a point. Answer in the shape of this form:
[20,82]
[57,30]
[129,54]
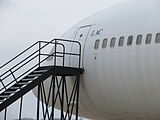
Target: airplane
[120,57]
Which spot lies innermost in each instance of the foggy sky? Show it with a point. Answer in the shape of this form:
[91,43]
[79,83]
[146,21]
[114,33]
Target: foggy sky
[23,22]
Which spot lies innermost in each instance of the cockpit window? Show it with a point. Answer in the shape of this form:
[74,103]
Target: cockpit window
[104,44]
[130,40]
[158,38]
[96,44]
[148,38]
[113,41]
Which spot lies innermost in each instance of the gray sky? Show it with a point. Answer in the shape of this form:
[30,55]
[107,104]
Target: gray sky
[23,22]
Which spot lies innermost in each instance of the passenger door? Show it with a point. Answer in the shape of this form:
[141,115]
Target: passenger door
[81,36]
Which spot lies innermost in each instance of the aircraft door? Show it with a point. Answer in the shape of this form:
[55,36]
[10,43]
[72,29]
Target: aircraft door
[81,36]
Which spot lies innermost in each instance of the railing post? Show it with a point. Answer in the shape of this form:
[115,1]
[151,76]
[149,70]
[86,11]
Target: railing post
[62,102]
[53,96]
[20,110]
[38,100]
[39,54]
[80,55]
[13,76]
[55,52]
[3,84]
[77,101]
[5,114]
[63,56]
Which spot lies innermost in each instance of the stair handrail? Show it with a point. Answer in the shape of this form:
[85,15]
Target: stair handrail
[9,74]
[73,41]
[33,46]
[19,55]
[54,41]
[26,57]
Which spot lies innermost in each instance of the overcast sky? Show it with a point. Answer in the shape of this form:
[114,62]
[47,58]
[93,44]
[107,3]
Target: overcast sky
[23,22]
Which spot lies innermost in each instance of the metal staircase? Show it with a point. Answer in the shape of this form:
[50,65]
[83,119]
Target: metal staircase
[26,71]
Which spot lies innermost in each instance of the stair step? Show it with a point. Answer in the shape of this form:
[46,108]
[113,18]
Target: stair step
[27,79]
[40,71]
[34,75]
[17,85]
[23,83]
[4,96]
[4,93]
[14,88]
[43,68]
[10,92]
[2,99]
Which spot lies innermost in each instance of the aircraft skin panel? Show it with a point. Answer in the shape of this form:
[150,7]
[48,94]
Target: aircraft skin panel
[121,83]
[118,85]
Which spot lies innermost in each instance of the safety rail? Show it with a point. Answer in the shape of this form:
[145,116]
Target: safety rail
[36,55]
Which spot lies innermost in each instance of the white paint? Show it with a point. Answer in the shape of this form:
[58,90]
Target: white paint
[122,83]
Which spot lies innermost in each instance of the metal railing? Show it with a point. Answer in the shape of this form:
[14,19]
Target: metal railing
[37,55]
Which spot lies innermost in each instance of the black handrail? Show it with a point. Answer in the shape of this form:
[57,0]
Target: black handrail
[80,47]
[28,58]
[25,58]
[37,54]
[18,55]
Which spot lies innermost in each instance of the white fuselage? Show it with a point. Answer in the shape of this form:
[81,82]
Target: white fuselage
[119,83]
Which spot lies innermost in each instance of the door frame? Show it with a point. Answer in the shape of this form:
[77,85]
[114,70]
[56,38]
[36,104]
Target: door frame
[85,40]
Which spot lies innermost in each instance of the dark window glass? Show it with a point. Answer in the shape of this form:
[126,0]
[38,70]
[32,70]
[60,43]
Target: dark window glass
[121,41]
[148,38]
[104,44]
[113,41]
[130,40]
[96,44]
[139,39]
[158,38]
[81,35]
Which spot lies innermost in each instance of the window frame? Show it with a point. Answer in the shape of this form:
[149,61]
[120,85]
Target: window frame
[96,44]
[148,41]
[130,41]
[113,42]
[156,39]
[104,43]
[139,41]
[121,41]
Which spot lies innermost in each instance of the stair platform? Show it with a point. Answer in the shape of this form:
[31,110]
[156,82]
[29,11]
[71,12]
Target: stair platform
[67,71]
[33,79]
